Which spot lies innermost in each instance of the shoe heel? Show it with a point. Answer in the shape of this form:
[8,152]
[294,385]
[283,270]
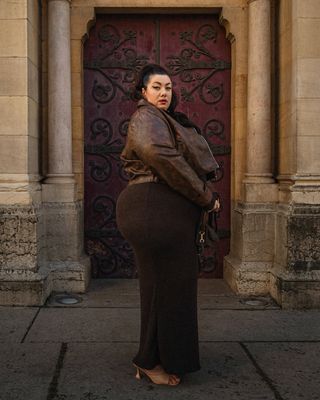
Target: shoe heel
[138,374]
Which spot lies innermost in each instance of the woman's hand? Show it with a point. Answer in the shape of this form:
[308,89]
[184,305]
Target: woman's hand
[216,206]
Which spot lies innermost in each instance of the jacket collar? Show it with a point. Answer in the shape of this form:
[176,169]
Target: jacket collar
[143,102]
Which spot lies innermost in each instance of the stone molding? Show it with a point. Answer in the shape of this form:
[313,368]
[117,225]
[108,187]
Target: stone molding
[226,24]
[68,1]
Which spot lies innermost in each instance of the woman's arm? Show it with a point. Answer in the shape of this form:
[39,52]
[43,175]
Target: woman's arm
[153,142]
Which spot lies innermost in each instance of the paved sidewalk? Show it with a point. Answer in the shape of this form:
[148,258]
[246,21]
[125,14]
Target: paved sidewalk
[83,351]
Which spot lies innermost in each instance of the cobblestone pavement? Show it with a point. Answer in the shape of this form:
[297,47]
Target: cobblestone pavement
[249,349]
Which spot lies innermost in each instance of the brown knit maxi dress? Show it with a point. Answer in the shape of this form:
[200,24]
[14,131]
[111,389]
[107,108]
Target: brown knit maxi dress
[160,224]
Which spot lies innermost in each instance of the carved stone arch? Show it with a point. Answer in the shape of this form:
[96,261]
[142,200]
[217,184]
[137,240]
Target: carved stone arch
[226,24]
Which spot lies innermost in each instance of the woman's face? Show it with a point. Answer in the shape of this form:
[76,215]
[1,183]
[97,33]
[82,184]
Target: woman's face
[158,91]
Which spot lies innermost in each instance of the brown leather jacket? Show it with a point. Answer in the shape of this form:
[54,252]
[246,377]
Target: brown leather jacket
[158,148]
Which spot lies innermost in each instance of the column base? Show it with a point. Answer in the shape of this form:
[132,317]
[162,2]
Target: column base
[260,192]
[25,288]
[62,192]
[247,278]
[247,267]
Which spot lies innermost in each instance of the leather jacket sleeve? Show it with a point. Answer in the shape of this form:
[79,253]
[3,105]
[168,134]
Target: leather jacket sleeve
[153,142]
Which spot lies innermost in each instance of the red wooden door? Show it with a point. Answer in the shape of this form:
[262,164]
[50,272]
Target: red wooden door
[196,53]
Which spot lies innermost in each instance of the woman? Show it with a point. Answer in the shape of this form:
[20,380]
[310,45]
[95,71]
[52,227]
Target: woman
[158,213]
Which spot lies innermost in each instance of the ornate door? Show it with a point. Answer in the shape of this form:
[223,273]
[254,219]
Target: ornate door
[194,50]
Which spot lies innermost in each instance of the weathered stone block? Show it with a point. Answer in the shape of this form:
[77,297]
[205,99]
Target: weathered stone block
[13,154]
[308,120]
[308,83]
[21,238]
[13,72]
[295,293]
[308,29]
[308,8]
[304,239]
[308,154]
[13,38]
[246,278]
[255,223]
[11,9]
[295,277]
[13,115]
[70,276]
[23,293]
[64,231]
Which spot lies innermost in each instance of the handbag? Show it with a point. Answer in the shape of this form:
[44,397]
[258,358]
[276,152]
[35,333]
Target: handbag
[207,233]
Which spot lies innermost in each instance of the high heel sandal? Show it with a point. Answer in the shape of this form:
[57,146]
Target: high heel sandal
[159,377]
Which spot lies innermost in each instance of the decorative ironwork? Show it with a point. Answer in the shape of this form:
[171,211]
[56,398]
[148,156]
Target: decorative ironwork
[101,127]
[105,244]
[100,171]
[114,53]
[187,65]
[121,64]
[214,127]
[123,127]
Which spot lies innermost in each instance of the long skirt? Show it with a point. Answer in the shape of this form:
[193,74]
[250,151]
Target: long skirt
[160,225]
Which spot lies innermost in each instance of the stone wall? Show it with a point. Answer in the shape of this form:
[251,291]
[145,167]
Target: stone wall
[295,277]
[19,102]
[40,244]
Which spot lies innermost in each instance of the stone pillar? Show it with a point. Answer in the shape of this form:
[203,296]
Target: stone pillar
[63,213]
[247,267]
[258,176]
[59,184]
[259,93]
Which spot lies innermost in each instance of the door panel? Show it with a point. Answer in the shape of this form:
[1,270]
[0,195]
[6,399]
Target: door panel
[194,50]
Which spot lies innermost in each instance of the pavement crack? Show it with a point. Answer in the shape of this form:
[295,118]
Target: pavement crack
[30,325]
[53,387]
[260,371]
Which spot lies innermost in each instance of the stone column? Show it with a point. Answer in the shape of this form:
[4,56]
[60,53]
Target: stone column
[247,267]
[259,169]
[67,264]
[59,103]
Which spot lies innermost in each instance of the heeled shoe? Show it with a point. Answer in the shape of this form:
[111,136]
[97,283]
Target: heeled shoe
[159,377]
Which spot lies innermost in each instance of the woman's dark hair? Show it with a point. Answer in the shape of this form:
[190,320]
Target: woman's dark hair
[142,81]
